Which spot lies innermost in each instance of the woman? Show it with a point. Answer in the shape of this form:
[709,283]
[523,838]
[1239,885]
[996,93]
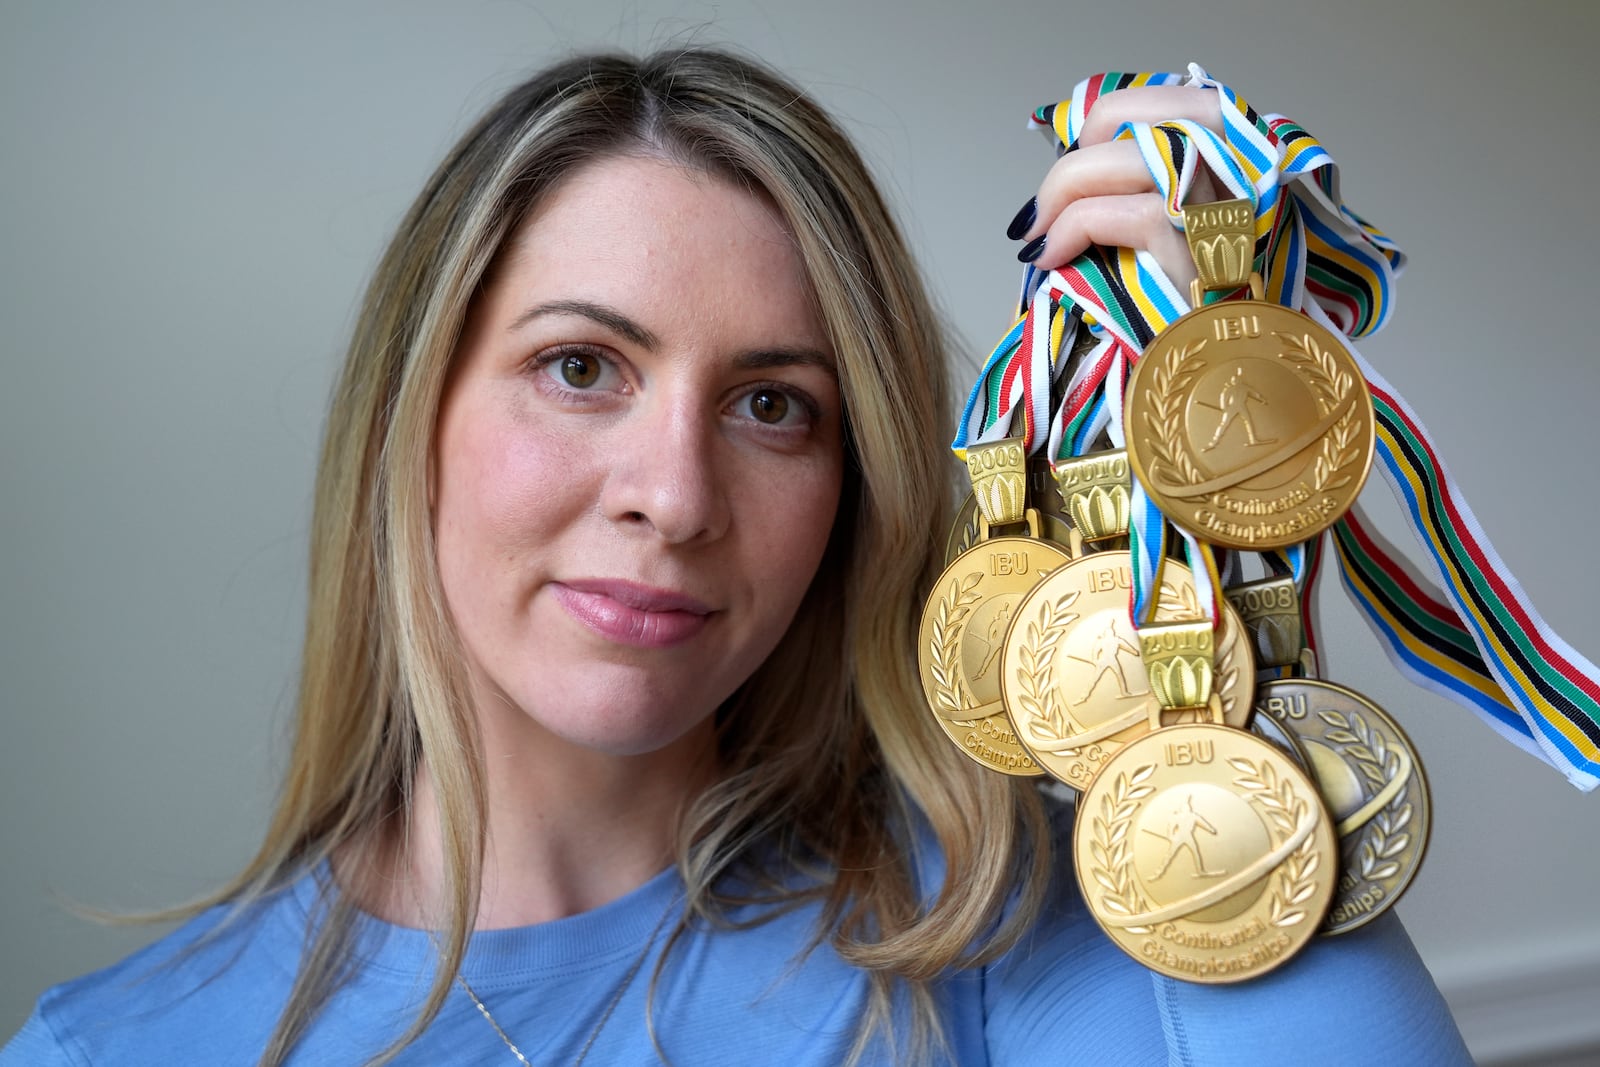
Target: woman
[610,747]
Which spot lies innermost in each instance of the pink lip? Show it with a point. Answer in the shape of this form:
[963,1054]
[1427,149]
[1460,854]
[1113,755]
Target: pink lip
[632,614]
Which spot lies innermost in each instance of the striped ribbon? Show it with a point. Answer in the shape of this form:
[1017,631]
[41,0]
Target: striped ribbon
[1482,644]
[1422,635]
[1015,379]
[1553,689]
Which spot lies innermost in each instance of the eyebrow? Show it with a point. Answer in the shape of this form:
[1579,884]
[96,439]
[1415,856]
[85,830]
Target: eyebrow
[764,358]
[620,324]
[610,318]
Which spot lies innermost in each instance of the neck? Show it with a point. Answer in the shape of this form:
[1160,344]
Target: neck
[568,828]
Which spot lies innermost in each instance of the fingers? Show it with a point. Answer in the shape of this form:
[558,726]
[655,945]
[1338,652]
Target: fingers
[1102,193]
[1150,103]
[1132,220]
[1112,169]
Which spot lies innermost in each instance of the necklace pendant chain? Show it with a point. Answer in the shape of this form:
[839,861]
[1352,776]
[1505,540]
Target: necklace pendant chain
[484,1011]
[605,1016]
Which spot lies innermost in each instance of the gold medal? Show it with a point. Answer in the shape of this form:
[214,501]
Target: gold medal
[969,611]
[1368,773]
[1074,679]
[1249,424]
[1205,853]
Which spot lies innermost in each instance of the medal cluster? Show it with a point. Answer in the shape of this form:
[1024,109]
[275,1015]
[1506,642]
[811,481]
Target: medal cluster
[1230,804]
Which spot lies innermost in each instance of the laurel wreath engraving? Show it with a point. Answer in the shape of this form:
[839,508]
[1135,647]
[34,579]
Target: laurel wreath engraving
[1386,836]
[1169,382]
[944,649]
[1036,697]
[969,534]
[1341,445]
[1284,808]
[1112,847]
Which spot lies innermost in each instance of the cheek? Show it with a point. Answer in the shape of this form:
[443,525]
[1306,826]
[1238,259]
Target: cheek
[796,526]
[502,485]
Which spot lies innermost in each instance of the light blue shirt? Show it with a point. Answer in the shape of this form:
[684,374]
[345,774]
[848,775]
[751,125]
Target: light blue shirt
[1064,995]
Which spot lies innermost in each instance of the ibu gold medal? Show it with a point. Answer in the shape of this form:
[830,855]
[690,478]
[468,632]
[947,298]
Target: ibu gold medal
[1074,680]
[965,620]
[1249,424]
[1368,773]
[1205,853]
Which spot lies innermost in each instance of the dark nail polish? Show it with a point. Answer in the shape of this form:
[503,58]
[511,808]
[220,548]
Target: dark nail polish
[1024,219]
[1031,251]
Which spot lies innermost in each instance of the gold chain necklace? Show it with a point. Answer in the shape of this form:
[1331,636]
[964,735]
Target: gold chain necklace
[605,1017]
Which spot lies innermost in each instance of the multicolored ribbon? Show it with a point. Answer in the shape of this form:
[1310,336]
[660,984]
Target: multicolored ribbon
[1016,378]
[1318,256]
[1422,635]
[1554,690]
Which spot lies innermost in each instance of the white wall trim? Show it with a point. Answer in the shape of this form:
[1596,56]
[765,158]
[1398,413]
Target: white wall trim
[1519,1009]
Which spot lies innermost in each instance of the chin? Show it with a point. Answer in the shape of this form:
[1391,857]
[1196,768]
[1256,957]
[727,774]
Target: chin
[638,723]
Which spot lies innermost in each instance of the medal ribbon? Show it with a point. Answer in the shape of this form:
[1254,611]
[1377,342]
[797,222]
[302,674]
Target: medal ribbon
[1017,376]
[1553,689]
[1423,636]
[1318,256]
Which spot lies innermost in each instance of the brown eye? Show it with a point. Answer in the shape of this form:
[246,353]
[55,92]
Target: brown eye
[580,371]
[769,405]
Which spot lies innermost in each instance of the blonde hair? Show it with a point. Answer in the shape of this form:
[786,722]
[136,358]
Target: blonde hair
[839,792]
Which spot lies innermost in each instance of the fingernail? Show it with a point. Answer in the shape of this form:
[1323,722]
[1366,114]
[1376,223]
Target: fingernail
[1032,250]
[1024,219]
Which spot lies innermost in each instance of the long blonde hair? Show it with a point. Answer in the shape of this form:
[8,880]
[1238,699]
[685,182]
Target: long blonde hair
[828,749]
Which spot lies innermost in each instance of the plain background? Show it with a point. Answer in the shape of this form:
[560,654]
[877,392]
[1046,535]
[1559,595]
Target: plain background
[194,194]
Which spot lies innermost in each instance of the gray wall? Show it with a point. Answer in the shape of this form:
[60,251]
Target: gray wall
[191,195]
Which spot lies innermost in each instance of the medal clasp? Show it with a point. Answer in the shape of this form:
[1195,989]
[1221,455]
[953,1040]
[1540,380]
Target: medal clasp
[1179,660]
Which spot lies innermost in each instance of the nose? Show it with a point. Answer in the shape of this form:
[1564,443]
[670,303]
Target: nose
[665,475]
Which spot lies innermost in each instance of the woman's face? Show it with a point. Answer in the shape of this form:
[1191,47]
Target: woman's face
[638,460]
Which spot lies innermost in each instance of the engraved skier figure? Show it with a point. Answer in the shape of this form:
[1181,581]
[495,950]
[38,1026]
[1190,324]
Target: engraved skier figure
[1233,402]
[1105,654]
[1180,835]
[995,639]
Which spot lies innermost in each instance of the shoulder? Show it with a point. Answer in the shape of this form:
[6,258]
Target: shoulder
[1350,999]
[210,987]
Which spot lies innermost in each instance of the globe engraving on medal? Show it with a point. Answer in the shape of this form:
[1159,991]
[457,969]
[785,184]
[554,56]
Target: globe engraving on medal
[1250,425]
[1373,784]
[1073,679]
[1205,853]
[962,640]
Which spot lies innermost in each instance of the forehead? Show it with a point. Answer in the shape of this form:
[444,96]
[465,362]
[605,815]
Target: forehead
[677,246]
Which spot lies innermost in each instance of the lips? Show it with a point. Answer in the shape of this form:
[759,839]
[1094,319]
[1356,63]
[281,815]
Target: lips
[629,613]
